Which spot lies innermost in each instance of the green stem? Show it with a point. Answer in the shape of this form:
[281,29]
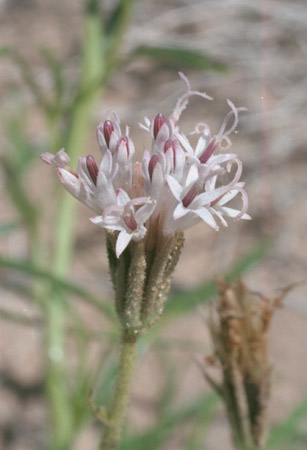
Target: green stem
[60,407]
[116,413]
[94,68]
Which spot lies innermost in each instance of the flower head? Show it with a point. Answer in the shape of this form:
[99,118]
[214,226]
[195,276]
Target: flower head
[175,186]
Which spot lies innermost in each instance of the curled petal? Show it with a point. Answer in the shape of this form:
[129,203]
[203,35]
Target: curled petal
[184,99]
[233,113]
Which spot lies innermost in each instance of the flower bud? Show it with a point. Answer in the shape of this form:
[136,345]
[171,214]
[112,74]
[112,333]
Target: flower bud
[108,130]
[92,168]
[169,144]
[152,163]
[158,122]
[124,141]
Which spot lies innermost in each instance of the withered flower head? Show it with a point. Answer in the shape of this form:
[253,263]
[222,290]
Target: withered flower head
[239,325]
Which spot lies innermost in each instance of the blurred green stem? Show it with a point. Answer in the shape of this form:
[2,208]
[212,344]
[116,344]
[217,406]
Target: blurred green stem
[61,410]
[96,66]
[116,414]
[122,13]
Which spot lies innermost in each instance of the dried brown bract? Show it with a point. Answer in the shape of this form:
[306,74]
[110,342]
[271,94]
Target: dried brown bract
[239,324]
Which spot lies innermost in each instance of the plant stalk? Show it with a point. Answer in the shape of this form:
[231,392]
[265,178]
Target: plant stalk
[116,414]
[59,401]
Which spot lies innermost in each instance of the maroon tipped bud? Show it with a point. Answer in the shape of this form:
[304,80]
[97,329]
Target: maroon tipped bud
[169,144]
[124,140]
[107,130]
[152,163]
[208,151]
[92,168]
[189,196]
[130,221]
[158,122]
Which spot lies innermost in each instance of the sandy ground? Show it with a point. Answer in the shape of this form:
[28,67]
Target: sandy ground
[264,46]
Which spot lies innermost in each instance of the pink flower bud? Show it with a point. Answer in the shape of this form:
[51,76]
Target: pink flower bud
[125,140]
[108,130]
[158,122]
[169,144]
[152,163]
[92,168]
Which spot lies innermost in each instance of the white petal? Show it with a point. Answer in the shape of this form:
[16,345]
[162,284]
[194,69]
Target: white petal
[180,211]
[193,175]
[97,221]
[207,197]
[139,234]
[202,143]
[185,143]
[122,242]
[143,213]
[230,212]
[105,192]
[69,181]
[122,197]
[227,197]
[220,216]
[207,217]
[175,187]
[221,158]
[106,163]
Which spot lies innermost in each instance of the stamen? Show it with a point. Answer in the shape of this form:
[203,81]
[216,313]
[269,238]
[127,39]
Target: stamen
[130,221]
[108,130]
[208,151]
[92,168]
[158,122]
[190,195]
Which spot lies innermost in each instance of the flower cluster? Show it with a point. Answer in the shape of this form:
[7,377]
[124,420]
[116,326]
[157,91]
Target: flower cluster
[174,186]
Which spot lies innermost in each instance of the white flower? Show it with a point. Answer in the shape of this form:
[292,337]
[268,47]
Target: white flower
[174,186]
[122,217]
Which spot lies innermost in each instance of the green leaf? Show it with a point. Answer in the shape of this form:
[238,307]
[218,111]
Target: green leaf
[155,437]
[7,228]
[183,302]
[180,58]
[284,434]
[30,269]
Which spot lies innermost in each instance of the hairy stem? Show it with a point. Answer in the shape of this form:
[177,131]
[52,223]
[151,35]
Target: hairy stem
[117,409]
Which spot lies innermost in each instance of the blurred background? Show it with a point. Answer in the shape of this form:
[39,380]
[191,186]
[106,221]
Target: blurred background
[63,64]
